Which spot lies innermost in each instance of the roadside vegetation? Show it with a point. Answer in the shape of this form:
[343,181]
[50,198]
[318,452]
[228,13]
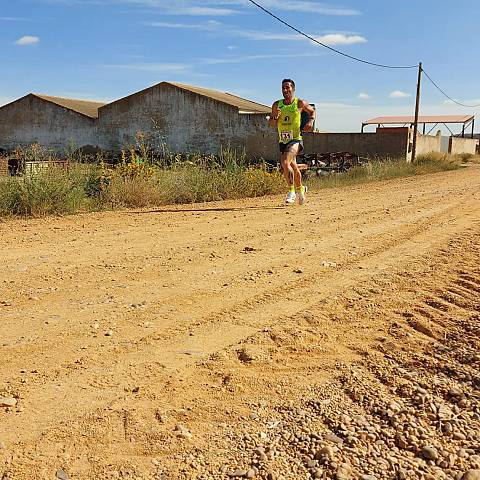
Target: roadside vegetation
[140,179]
[377,170]
[135,180]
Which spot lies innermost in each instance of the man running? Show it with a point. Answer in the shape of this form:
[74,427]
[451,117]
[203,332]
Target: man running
[286,116]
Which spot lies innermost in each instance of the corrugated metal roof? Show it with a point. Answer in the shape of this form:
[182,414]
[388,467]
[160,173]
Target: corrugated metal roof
[243,105]
[85,107]
[421,119]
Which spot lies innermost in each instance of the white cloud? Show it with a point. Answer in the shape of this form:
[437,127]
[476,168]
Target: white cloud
[27,40]
[364,96]
[223,7]
[256,35]
[308,7]
[399,94]
[339,39]
[475,102]
[168,7]
[249,58]
[12,19]
[202,11]
[304,6]
[329,39]
[153,67]
[196,11]
[218,27]
[209,26]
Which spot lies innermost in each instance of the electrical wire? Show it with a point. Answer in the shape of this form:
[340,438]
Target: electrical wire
[327,46]
[358,59]
[450,98]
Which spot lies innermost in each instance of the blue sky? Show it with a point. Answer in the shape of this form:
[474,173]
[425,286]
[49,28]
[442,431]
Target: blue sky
[106,49]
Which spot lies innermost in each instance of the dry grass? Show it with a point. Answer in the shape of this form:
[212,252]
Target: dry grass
[134,183]
[139,183]
[51,190]
[468,158]
[384,170]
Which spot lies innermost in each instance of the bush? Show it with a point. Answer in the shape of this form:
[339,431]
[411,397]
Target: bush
[437,161]
[49,191]
[126,191]
[186,183]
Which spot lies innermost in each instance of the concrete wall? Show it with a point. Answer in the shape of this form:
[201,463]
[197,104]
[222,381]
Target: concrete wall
[462,145]
[261,140]
[429,143]
[177,120]
[32,120]
[386,142]
[392,145]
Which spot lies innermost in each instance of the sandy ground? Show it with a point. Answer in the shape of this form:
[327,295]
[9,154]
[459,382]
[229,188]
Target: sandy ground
[120,328]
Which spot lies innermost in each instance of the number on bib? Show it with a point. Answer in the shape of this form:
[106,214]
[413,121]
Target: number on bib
[287,136]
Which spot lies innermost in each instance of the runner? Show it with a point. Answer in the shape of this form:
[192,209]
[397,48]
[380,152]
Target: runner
[286,116]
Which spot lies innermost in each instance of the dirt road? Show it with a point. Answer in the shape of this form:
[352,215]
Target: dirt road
[147,344]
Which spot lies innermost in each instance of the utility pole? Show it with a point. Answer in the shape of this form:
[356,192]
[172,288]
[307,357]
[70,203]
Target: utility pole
[417,106]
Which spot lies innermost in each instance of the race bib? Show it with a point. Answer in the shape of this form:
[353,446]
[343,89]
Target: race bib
[286,136]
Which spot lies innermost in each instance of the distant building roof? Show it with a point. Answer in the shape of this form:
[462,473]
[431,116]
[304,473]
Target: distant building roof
[243,105]
[421,119]
[85,107]
[90,108]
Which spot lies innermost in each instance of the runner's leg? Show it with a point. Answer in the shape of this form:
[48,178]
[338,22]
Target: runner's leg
[287,170]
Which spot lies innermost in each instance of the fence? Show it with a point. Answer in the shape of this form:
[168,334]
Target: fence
[14,166]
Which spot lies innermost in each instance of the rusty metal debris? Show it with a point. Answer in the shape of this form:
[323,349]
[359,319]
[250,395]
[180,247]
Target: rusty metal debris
[330,162]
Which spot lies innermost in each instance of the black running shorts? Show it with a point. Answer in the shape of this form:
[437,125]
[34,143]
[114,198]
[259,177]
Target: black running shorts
[285,146]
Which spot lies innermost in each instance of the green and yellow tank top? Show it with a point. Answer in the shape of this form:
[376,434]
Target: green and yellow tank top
[288,123]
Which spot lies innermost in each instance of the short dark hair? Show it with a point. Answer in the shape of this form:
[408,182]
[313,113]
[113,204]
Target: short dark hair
[285,80]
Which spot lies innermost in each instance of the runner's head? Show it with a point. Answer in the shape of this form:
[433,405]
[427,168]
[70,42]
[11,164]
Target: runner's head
[288,88]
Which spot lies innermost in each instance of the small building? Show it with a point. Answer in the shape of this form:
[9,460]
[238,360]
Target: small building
[466,121]
[454,144]
[393,138]
[172,117]
[53,122]
[182,118]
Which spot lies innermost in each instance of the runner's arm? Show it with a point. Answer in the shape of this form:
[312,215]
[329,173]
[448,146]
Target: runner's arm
[274,116]
[306,107]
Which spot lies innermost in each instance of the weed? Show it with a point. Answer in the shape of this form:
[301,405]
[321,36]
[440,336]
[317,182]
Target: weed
[141,180]
[50,191]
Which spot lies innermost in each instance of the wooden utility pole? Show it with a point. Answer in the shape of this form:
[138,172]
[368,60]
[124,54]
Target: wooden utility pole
[417,106]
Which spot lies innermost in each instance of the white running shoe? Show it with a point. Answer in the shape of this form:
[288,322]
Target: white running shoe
[290,200]
[302,195]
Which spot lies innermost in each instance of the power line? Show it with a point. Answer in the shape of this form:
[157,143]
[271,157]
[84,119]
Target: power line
[327,46]
[450,98]
[359,59]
